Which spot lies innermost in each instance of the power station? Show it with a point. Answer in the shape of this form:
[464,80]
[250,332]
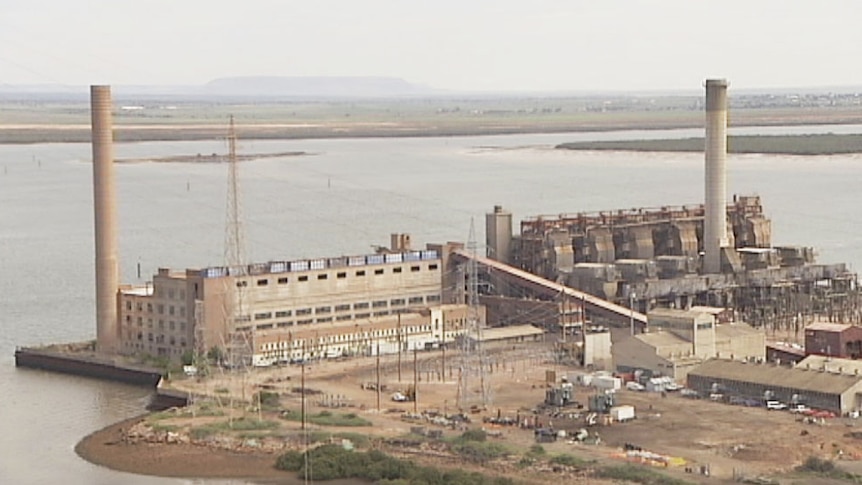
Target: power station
[610,267]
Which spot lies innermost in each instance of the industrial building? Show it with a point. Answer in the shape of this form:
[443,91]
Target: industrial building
[834,340]
[512,334]
[786,353]
[831,364]
[816,387]
[679,340]
[421,329]
[195,308]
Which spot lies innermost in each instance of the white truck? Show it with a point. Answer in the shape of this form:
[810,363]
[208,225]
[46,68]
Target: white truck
[775,405]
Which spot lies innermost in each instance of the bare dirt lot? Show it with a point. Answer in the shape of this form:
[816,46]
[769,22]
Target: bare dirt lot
[729,439]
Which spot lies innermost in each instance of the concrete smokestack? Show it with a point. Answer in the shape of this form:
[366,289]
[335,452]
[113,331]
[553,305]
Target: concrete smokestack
[715,217]
[104,202]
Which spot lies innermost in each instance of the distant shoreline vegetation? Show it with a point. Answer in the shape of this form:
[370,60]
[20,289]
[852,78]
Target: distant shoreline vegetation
[208,158]
[825,144]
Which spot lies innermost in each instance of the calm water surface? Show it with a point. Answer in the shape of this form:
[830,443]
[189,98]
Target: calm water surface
[346,196]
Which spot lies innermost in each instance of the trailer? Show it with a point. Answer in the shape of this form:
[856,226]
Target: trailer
[623,413]
[607,383]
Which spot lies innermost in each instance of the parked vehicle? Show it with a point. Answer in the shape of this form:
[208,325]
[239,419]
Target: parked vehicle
[799,408]
[634,386]
[775,405]
[689,393]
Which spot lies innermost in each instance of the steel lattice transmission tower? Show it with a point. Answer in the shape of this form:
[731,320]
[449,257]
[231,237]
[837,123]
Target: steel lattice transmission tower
[473,359]
[239,342]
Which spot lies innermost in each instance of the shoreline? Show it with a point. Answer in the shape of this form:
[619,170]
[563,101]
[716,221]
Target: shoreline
[105,447]
[824,144]
[48,133]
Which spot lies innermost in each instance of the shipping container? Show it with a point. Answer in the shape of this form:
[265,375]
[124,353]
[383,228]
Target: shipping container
[318,264]
[278,267]
[426,255]
[393,258]
[412,256]
[375,259]
[356,261]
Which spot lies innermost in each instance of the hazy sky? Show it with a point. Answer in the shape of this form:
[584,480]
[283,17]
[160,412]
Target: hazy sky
[494,45]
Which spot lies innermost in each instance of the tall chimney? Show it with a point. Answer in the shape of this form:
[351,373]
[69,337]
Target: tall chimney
[104,202]
[715,217]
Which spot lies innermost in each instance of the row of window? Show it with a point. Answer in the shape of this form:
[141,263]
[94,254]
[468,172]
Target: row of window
[155,338]
[325,310]
[159,307]
[283,280]
[308,321]
[352,337]
[149,348]
[171,324]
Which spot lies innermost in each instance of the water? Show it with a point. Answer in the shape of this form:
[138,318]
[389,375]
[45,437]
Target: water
[345,197]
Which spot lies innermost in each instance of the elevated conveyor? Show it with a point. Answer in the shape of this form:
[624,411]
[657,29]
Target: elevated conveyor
[518,277]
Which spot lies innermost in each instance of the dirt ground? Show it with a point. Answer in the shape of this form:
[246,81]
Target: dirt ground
[729,439]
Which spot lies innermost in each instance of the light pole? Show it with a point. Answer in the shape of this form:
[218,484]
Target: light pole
[632,312]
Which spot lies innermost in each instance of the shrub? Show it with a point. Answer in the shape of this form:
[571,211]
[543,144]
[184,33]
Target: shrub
[537,450]
[816,465]
[638,474]
[291,461]
[326,418]
[480,451]
[268,400]
[568,460]
[332,462]
[473,435]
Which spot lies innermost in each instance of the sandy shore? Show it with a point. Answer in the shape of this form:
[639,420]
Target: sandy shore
[106,448]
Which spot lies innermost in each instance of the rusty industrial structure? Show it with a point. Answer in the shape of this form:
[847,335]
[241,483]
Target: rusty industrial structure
[714,254]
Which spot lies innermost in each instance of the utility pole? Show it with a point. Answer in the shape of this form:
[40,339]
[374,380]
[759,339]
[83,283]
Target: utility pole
[302,387]
[399,347]
[632,312]
[443,347]
[415,384]
[378,376]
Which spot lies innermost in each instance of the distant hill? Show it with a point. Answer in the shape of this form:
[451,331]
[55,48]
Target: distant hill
[239,87]
[346,87]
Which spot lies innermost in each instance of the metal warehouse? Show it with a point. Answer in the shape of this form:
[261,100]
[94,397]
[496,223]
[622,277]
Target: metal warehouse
[821,389]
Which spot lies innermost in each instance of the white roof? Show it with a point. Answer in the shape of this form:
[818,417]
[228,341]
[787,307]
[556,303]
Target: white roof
[513,331]
[138,290]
